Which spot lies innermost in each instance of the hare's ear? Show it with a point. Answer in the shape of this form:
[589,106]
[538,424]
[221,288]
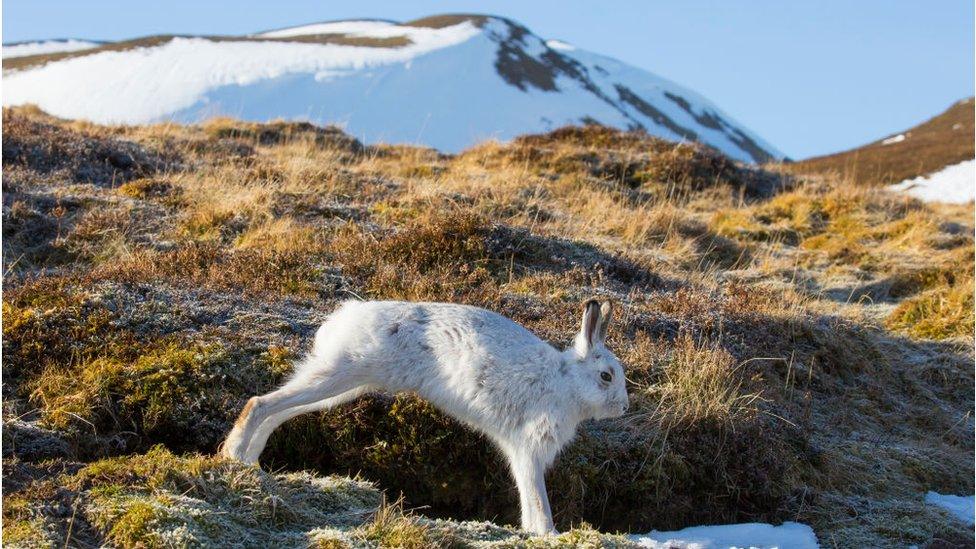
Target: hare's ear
[606,313]
[589,333]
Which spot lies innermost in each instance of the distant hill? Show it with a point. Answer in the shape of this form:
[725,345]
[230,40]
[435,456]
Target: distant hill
[446,81]
[942,141]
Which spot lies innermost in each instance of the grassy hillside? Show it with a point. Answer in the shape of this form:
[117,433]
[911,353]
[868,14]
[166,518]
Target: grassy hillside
[795,350]
[942,141]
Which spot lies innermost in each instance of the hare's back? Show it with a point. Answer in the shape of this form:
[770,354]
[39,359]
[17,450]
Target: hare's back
[443,328]
[467,325]
[444,336]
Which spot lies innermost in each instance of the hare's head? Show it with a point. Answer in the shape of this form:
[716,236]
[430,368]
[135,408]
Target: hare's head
[598,375]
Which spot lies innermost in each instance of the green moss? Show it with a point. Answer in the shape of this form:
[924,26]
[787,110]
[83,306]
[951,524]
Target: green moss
[159,499]
[327,540]
[22,527]
[403,443]
[132,522]
[583,536]
[52,325]
[164,390]
[278,361]
[182,393]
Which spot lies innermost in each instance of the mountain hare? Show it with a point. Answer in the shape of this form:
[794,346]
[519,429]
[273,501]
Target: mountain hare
[475,365]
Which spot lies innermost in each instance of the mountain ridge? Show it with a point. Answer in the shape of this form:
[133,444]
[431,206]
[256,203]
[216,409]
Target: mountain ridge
[462,77]
[943,140]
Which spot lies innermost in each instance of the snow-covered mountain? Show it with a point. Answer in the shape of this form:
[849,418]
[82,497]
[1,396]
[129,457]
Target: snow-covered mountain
[444,81]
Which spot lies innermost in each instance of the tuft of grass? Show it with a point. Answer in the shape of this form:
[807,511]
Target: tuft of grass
[392,527]
[940,313]
[145,188]
[693,382]
[281,235]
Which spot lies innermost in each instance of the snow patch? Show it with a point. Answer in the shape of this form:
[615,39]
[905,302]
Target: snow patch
[895,139]
[789,535]
[335,27]
[961,507]
[376,29]
[46,46]
[560,45]
[955,184]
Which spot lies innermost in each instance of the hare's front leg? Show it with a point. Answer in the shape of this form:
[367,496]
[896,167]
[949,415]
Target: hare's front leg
[530,477]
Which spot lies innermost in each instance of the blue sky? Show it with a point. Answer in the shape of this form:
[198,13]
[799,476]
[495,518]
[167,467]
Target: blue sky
[811,78]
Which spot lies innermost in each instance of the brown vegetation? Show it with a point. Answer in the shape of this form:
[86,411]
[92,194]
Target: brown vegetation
[942,141]
[796,350]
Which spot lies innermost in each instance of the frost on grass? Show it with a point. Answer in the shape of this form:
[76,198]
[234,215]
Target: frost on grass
[144,303]
[162,500]
[159,499]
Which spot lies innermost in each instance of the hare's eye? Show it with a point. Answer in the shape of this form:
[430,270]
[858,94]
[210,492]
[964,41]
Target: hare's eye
[605,376]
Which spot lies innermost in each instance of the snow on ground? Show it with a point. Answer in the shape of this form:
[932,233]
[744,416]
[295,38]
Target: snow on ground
[789,535]
[962,507]
[46,46]
[955,184]
[365,29]
[895,139]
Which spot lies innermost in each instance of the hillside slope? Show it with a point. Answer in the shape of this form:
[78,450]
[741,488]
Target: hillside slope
[945,140]
[443,81]
[793,352]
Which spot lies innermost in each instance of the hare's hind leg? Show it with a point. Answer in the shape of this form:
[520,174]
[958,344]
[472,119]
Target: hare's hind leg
[264,430]
[298,392]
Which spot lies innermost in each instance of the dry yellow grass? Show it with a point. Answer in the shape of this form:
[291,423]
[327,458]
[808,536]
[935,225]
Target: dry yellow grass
[692,382]
[782,344]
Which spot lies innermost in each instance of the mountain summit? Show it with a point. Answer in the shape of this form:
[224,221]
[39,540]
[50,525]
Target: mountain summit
[446,81]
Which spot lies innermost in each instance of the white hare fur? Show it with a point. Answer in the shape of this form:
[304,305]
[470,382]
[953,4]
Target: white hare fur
[475,365]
